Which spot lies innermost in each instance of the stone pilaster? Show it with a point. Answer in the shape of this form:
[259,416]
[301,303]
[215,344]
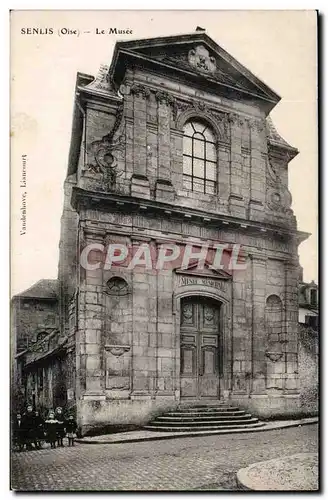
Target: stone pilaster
[224,156]
[257,170]
[177,158]
[90,328]
[140,182]
[291,327]
[236,200]
[129,135]
[258,332]
[241,338]
[152,138]
[164,145]
[144,331]
[166,352]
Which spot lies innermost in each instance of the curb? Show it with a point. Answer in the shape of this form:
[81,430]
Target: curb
[266,427]
[245,481]
[241,478]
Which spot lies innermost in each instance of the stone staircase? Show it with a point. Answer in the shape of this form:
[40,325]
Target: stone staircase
[203,418]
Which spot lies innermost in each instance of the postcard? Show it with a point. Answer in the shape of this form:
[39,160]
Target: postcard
[164,306]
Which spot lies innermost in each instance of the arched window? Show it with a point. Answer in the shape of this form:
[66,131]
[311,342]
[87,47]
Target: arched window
[199,158]
[274,318]
[117,286]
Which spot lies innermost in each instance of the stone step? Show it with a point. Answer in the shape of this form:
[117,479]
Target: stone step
[207,414]
[207,409]
[202,423]
[198,418]
[153,427]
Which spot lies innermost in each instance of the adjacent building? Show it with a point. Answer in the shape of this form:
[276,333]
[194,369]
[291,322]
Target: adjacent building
[308,304]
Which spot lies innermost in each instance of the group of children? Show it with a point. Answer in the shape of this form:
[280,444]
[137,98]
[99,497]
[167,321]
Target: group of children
[31,430]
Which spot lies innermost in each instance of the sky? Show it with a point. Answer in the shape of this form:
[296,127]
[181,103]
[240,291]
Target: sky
[279,47]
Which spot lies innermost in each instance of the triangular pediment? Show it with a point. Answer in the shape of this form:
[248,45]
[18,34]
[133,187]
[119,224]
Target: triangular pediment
[206,272]
[198,55]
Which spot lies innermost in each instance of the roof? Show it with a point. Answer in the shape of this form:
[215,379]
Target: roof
[196,55]
[274,136]
[42,289]
[100,85]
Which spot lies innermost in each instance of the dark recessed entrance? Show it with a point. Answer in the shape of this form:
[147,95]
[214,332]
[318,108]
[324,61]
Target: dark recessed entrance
[201,358]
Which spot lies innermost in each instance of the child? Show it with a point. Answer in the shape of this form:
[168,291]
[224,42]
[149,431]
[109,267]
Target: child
[51,425]
[28,424]
[60,425]
[18,432]
[39,425]
[71,430]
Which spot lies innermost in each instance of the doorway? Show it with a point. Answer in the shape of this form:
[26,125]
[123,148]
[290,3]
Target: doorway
[200,348]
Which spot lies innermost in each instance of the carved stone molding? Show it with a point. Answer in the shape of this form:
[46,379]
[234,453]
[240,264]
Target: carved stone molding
[199,58]
[93,234]
[140,90]
[117,286]
[167,99]
[164,97]
[103,154]
[236,119]
[241,121]
[279,199]
[256,124]
[278,196]
[101,82]
[274,356]
[245,151]
[220,118]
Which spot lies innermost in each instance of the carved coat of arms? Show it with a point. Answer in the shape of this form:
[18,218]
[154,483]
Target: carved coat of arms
[200,58]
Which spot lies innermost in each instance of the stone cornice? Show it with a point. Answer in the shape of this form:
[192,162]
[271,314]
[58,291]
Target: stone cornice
[137,50]
[281,152]
[82,198]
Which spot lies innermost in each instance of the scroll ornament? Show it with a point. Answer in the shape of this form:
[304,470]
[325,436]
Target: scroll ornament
[279,198]
[103,154]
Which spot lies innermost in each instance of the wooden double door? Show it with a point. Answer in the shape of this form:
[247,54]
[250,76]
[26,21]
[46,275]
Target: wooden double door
[200,348]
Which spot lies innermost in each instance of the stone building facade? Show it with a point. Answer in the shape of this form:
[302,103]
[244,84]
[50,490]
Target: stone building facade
[38,374]
[173,145]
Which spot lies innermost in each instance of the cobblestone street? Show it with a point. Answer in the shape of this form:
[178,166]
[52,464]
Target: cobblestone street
[179,464]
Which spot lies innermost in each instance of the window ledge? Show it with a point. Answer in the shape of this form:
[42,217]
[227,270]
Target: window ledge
[197,196]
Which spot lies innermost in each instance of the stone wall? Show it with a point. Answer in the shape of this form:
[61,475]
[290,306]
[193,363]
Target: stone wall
[308,354]
[45,384]
[67,255]
[33,316]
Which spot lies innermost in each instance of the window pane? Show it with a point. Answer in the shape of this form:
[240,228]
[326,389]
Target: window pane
[210,187]
[188,130]
[198,185]
[199,148]
[187,182]
[211,171]
[208,135]
[187,146]
[210,152]
[187,165]
[199,168]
